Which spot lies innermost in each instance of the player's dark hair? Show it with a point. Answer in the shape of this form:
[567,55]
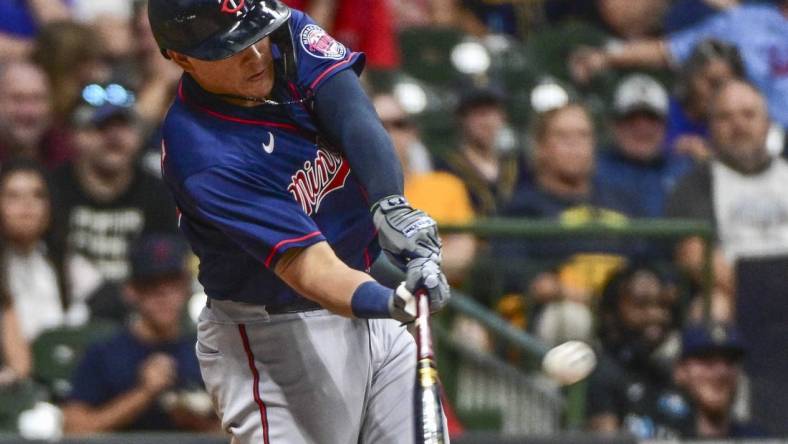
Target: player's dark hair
[53,237]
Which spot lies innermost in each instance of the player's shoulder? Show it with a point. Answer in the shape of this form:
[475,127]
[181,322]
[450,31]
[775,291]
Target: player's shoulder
[190,142]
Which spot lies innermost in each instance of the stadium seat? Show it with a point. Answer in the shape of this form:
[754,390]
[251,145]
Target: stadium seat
[56,352]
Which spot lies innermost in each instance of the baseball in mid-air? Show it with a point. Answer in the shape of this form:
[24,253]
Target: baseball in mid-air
[569,362]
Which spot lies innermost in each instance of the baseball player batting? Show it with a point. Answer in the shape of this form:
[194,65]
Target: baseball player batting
[288,188]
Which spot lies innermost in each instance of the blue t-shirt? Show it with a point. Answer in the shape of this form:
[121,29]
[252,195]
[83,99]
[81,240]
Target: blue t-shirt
[111,368]
[251,183]
[653,180]
[761,34]
[17,20]
[679,124]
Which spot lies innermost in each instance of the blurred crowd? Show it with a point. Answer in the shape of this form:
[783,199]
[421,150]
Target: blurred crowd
[605,112]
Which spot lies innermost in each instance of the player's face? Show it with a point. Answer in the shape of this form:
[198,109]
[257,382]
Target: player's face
[250,73]
[24,207]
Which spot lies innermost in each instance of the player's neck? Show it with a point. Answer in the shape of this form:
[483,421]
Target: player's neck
[711,426]
[557,185]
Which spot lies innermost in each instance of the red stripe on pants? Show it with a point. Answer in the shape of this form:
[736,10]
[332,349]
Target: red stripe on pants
[256,386]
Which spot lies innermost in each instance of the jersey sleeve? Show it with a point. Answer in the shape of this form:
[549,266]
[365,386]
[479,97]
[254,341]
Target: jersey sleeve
[260,219]
[319,55]
[681,44]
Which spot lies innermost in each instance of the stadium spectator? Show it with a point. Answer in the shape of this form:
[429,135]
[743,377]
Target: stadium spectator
[138,379]
[621,19]
[741,191]
[112,21]
[711,64]
[631,389]
[72,55]
[20,20]
[47,290]
[685,13]
[709,371]
[637,159]
[26,122]
[758,30]
[440,194]
[491,171]
[362,25]
[563,276]
[420,13]
[103,199]
[15,358]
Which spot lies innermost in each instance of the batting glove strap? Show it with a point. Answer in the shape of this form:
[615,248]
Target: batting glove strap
[405,233]
[426,274]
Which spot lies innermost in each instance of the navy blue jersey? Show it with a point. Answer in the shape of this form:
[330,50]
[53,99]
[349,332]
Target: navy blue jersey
[251,183]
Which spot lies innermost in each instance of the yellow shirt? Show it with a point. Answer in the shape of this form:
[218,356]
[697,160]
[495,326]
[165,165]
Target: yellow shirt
[441,195]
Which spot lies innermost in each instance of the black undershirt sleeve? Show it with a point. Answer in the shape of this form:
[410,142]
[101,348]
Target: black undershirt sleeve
[349,121]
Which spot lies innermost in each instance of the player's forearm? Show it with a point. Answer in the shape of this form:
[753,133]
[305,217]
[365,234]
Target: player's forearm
[80,418]
[318,275]
[16,351]
[641,53]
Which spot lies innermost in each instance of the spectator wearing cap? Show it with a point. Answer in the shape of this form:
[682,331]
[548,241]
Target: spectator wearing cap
[490,165]
[103,198]
[709,371]
[27,124]
[137,380]
[637,159]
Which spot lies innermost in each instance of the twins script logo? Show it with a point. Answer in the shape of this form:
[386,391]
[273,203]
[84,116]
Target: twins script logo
[311,184]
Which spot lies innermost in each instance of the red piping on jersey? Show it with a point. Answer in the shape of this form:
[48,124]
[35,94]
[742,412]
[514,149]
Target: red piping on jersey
[281,244]
[256,382]
[367,260]
[329,70]
[221,116]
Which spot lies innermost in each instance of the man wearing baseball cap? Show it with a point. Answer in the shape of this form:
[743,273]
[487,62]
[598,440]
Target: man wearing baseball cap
[636,159]
[138,379]
[709,370]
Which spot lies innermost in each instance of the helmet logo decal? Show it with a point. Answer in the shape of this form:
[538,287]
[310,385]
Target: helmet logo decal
[318,43]
[233,6]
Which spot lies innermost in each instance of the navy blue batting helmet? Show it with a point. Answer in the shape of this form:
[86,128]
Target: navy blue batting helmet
[217,29]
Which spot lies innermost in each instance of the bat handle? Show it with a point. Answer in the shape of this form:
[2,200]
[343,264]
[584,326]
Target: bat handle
[423,330]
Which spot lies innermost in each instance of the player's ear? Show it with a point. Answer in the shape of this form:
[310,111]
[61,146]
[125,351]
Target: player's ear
[181,60]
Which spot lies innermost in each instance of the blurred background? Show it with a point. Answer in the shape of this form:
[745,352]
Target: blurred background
[612,171]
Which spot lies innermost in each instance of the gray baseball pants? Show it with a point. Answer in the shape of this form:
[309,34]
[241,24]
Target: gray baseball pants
[308,377]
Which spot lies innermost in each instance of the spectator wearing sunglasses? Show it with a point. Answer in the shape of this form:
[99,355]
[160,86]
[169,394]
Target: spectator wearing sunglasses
[103,199]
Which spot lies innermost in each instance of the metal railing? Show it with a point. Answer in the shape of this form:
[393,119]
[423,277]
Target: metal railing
[531,346]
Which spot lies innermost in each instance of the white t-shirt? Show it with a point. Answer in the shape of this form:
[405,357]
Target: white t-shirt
[751,210]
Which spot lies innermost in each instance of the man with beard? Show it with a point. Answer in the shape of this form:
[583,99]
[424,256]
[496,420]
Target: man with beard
[631,389]
[709,371]
[103,199]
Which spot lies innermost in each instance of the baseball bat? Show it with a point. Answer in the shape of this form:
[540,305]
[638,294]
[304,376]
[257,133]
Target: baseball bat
[429,427]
